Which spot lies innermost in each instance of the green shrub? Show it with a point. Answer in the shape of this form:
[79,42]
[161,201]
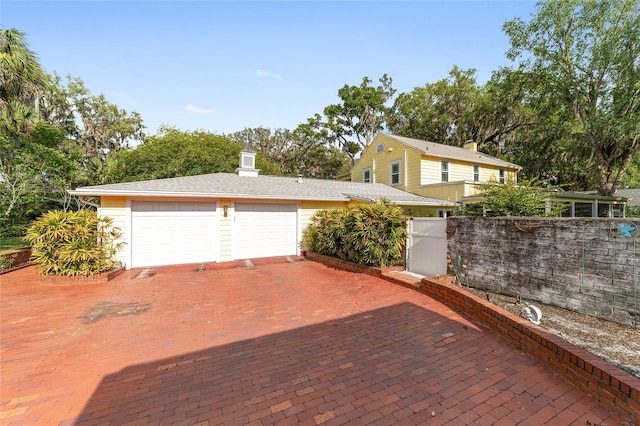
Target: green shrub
[6,262]
[367,234]
[524,198]
[73,243]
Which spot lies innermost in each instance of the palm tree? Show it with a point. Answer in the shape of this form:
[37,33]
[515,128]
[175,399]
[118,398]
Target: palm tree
[21,78]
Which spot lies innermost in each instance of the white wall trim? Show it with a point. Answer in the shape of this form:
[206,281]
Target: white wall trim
[129,232]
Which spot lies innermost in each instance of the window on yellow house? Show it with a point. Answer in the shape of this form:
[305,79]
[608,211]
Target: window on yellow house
[501,176]
[444,171]
[395,173]
[476,173]
[366,175]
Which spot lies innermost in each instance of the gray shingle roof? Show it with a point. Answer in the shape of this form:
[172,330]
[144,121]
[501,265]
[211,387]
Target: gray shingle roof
[631,194]
[262,187]
[453,152]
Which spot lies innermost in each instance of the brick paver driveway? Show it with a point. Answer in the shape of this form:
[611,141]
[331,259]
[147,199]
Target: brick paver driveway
[278,343]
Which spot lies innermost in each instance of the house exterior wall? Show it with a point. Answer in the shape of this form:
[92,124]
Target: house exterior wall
[380,163]
[115,207]
[421,174]
[119,208]
[452,191]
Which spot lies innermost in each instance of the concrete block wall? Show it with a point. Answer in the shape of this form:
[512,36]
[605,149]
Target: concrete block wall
[588,265]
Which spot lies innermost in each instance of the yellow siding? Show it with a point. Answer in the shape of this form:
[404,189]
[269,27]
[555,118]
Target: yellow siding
[429,170]
[414,159]
[380,163]
[460,171]
[492,173]
[115,207]
[309,208]
[445,191]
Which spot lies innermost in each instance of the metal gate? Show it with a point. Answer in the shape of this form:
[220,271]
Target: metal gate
[427,246]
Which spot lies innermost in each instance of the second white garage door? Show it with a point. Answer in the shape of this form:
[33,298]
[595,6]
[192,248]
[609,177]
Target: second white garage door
[170,233]
[265,230]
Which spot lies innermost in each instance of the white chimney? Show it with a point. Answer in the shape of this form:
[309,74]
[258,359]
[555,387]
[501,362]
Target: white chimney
[299,178]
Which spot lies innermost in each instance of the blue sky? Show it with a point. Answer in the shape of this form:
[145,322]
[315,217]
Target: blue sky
[222,66]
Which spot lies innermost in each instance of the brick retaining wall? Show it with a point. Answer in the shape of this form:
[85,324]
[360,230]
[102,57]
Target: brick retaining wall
[19,257]
[613,387]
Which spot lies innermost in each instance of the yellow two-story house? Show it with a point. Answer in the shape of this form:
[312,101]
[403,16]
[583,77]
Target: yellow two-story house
[430,169]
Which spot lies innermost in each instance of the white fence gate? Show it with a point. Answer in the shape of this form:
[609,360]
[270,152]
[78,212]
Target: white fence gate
[427,246]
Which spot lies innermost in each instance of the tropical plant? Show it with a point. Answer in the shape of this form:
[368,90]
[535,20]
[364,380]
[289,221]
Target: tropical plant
[367,234]
[21,78]
[74,243]
[524,198]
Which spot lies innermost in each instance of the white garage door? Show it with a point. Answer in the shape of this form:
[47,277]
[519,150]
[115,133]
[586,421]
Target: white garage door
[170,233]
[265,230]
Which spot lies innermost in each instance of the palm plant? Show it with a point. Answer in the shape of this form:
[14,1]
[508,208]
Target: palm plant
[74,243]
[21,78]
[367,234]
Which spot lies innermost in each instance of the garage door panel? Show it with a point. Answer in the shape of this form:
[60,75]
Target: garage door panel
[167,233]
[264,230]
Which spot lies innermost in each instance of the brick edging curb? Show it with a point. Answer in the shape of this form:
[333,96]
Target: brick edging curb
[63,280]
[20,258]
[611,386]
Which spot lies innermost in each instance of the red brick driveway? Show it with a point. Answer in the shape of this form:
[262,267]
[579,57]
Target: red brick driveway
[278,343]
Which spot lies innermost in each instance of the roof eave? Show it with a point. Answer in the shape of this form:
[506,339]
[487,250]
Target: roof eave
[79,192]
[437,203]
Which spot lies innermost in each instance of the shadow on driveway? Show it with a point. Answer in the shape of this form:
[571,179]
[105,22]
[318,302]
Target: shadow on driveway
[401,362]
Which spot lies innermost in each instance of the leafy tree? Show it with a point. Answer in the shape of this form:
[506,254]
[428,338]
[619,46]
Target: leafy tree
[97,126]
[582,56]
[352,124]
[36,170]
[457,109]
[524,198]
[35,162]
[632,177]
[175,153]
[439,112]
[297,152]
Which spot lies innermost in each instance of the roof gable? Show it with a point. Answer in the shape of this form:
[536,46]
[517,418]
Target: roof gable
[447,151]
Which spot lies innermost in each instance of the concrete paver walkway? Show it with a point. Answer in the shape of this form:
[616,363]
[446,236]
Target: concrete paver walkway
[278,343]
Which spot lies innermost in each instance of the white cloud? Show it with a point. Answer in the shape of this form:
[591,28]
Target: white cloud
[196,109]
[265,73]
